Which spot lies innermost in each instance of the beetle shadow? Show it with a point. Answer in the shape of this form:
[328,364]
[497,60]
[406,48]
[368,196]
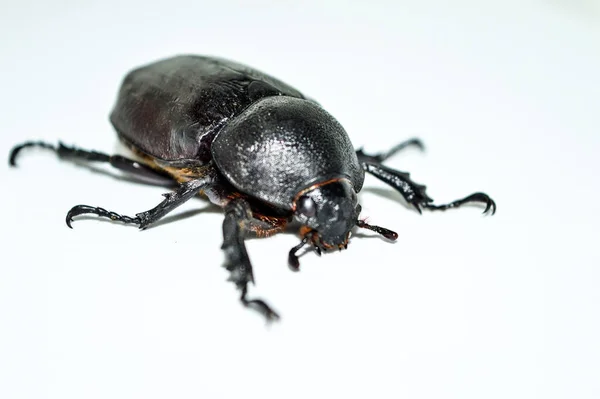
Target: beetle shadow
[122,176]
[395,196]
[391,195]
[209,208]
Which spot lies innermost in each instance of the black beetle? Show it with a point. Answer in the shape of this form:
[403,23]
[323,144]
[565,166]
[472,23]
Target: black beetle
[254,146]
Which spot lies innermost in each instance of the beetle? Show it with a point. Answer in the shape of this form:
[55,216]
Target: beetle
[252,145]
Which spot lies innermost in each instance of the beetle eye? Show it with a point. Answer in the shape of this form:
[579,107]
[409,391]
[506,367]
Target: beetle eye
[307,206]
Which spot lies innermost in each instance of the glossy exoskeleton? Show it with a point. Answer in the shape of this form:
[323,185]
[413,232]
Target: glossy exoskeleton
[251,144]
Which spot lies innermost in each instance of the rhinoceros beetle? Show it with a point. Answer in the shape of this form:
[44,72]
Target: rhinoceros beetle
[252,145]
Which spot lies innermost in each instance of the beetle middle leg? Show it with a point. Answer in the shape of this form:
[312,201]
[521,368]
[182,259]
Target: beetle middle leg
[238,218]
[382,156]
[117,161]
[415,193]
[172,200]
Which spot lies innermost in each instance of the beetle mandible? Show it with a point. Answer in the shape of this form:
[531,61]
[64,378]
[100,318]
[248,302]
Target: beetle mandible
[252,145]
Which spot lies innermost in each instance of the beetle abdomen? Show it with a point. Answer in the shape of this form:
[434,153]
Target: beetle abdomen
[280,145]
[172,109]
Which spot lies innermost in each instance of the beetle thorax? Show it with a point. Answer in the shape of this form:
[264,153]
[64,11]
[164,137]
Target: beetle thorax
[281,145]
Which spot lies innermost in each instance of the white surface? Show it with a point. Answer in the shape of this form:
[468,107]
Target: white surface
[506,98]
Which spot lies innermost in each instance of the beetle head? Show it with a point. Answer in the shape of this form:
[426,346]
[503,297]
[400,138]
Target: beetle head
[329,209]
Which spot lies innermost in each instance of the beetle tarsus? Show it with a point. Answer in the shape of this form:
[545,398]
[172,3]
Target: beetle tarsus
[490,204]
[258,305]
[12,159]
[143,219]
[86,209]
[381,157]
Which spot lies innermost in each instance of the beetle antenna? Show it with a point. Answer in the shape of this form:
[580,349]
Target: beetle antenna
[293,258]
[389,234]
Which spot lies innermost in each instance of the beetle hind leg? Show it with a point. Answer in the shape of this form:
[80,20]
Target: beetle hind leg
[238,217]
[116,161]
[415,193]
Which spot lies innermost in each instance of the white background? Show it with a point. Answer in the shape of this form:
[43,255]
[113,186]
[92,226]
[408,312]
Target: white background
[506,96]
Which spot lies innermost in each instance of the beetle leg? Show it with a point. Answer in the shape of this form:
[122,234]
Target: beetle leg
[238,216]
[379,158]
[117,161]
[266,226]
[415,193]
[144,219]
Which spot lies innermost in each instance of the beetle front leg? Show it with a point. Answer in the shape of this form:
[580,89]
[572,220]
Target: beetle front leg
[415,193]
[238,216]
[382,156]
[116,161]
[172,200]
